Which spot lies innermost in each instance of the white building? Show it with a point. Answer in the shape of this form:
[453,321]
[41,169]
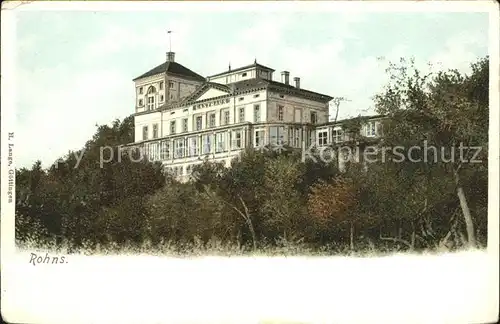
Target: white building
[182,118]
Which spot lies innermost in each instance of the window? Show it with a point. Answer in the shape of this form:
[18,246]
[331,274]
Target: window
[207,144]
[298,115]
[242,115]
[276,135]
[244,74]
[198,122]
[194,146]
[281,135]
[165,150]
[314,117]
[151,90]
[211,120]
[155,131]
[153,150]
[171,96]
[144,133]
[179,148]
[322,138]
[161,98]
[170,84]
[259,138]
[296,137]
[141,102]
[188,169]
[140,90]
[236,139]
[151,102]
[161,85]
[225,116]
[220,142]
[241,99]
[337,135]
[280,113]
[370,129]
[256,113]
[256,95]
[184,125]
[310,137]
[172,127]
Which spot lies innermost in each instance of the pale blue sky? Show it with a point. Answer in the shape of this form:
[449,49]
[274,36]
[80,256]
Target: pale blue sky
[75,69]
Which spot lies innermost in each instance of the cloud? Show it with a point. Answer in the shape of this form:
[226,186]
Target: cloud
[460,51]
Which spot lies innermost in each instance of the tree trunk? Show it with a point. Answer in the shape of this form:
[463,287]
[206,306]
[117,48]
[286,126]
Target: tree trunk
[238,238]
[466,213]
[249,223]
[352,236]
[412,242]
[252,231]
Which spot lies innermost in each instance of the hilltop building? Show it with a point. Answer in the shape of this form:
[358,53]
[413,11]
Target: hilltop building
[181,117]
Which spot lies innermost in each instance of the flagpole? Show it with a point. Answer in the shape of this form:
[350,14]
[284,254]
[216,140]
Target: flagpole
[170,40]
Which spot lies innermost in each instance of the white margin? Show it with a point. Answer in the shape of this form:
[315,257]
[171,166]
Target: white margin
[83,277]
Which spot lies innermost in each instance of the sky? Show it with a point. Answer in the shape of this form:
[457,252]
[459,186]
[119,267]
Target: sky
[75,68]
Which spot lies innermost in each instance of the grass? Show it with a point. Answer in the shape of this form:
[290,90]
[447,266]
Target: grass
[217,248]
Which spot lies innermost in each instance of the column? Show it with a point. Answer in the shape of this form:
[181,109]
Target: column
[200,145]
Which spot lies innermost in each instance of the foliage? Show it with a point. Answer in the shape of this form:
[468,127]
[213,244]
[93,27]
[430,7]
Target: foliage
[269,201]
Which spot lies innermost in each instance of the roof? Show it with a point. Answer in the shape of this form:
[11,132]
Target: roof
[172,68]
[205,86]
[340,121]
[244,86]
[248,86]
[243,68]
[275,85]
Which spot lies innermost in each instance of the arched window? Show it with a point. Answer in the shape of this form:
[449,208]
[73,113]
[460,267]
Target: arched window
[151,90]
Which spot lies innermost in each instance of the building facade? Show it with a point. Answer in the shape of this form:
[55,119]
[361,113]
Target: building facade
[182,118]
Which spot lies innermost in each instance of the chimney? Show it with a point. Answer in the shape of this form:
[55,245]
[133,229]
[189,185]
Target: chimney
[285,77]
[170,57]
[297,82]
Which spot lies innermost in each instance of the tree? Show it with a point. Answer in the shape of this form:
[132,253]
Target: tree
[331,204]
[72,198]
[447,110]
[283,206]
